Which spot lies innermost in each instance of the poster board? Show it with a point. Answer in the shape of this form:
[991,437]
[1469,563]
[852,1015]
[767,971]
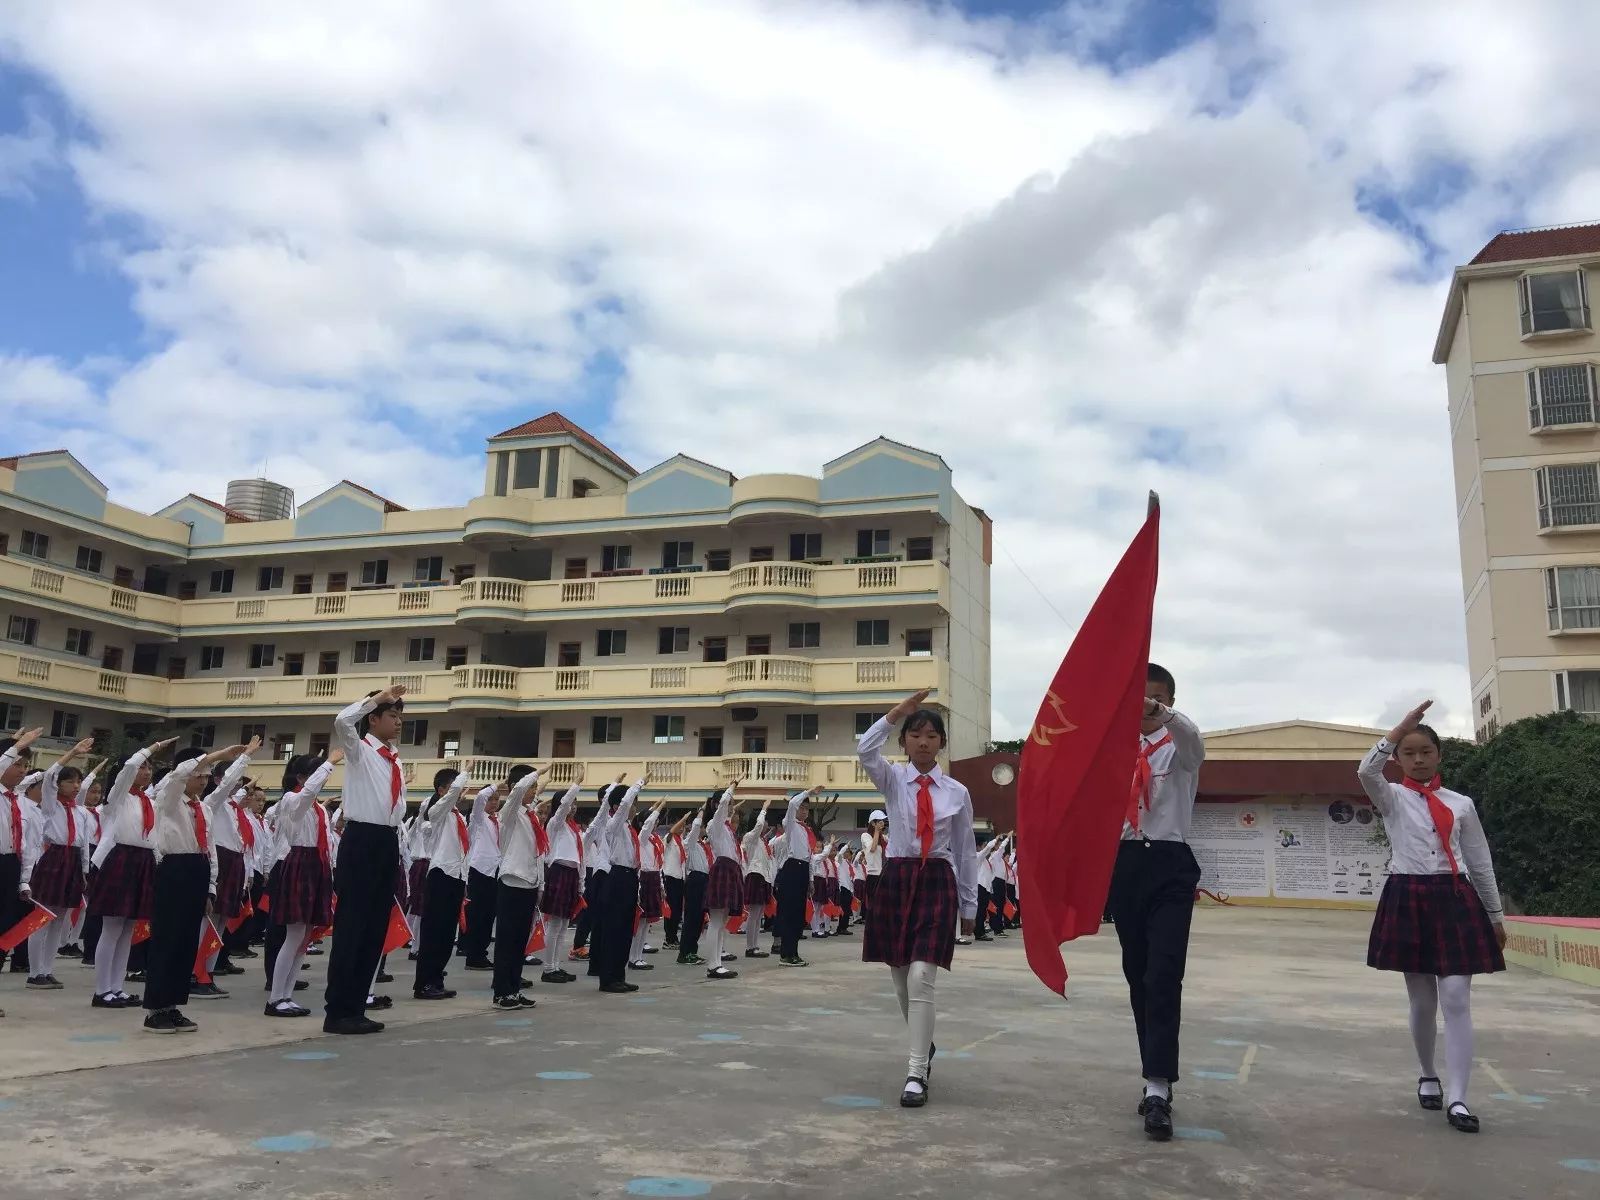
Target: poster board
[1289,853]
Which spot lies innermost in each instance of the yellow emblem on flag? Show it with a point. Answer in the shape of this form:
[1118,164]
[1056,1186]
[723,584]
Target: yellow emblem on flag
[1042,733]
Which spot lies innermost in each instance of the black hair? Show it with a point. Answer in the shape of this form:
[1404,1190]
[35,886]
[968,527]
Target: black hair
[517,774]
[1428,732]
[925,718]
[299,769]
[182,756]
[443,778]
[7,743]
[68,774]
[1156,673]
[365,723]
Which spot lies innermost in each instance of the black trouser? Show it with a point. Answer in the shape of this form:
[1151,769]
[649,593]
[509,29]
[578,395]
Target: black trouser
[674,889]
[369,855]
[238,940]
[89,934]
[436,936]
[694,913]
[480,915]
[844,900]
[614,925]
[513,922]
[584,925]
[793,886]
[997,919]
[594,908]
[12,906]
[984,898]
[179,904]
[1152,898]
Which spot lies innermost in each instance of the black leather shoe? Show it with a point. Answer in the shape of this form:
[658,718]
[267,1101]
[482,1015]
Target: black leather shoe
[351,1025]
[433,992]
[381,1002]
[619,989]
[1157,1118]
[479,964]
[914,1099]
[385,977]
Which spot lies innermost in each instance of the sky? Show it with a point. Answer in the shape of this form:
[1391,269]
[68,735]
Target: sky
[1081,250]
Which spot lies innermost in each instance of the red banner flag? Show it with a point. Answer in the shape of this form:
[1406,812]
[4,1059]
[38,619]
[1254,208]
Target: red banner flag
[141,932]
[536,939]
[210,943]
[38,917]
[398,933]
[1072,790]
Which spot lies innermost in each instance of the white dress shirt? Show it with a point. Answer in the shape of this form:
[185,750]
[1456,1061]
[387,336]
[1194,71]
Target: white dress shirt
[699,852]
[49,823]
[368,775]
[798,836]
[484,834]
[595,841]
[756,859]
[724,844]
[874,853]
[1414,844]
[122,814]
[651,849]
[1174,779]
[299,818]
[8,797]
[521,864]
[619,838]
[221,802]
[952,813]
[451,829]
[674,864]
[566,837]
[986,866]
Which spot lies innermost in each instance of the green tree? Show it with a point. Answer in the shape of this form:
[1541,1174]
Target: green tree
[1537,788]
[1013,746]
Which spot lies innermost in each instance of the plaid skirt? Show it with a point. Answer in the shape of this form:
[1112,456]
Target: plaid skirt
[1433,925]
[126,885]
[303,894]
[821,889]
[650,897]
[57,881]
[914,912]
[230,882]
[757,891]
[725,888]
[416,887]
[561,891]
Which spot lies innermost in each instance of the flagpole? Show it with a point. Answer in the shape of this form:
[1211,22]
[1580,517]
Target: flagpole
[1155,505]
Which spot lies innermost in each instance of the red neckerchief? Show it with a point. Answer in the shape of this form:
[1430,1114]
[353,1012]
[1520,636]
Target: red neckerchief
[148,813]
[1139,796]
[540,838]
[247,836]
[1444,820]
[200,836]
[16,822]
[577,837]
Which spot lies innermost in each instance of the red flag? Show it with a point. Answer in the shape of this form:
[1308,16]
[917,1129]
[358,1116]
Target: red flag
[38,917]
[736,924]
[266,901]
[771,909]
[855,906]
[398,933]
[832,911]
[240,917]
[1072,790]
[313,935]
[141,932]
[666,910]
[536,938]
[1009,911]
[461,919]
[209,944]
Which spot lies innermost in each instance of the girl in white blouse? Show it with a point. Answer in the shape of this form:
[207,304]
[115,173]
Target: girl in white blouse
[1439,920]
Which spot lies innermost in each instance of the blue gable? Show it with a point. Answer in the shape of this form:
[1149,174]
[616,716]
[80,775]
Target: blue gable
[59,486]
[205,521]
[882,475]
[338,514]
[678,491]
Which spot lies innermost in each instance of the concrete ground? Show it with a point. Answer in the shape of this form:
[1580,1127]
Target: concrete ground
[1299,1082]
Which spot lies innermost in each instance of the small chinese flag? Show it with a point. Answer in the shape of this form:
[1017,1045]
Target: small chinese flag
[1009,911]
[315,934]
[855,906]
[811,912]
[536,939]
[38,917]
[210,943]
[772,907]
[832,911]
[666,910]
[462,919]
[243,915]
[399,933]
[141,932]
[736,924]
[638,915]
[579,907]
[266,901]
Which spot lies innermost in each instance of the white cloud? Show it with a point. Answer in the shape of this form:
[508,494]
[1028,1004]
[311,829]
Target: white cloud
[800,226]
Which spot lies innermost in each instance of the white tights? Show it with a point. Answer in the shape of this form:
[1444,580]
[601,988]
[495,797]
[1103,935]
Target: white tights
[286,969]
[636,951]
[111,955]
[914,987]
[719,936]
[1452,993]
[43,944]
[752,930]
[555,938]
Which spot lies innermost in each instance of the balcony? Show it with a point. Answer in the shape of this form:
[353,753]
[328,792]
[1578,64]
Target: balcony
[375,607]
[70,591]
[82,681]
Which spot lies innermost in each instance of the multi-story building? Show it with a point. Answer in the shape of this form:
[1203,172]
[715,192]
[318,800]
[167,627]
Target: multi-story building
[678,620]
[1519,347]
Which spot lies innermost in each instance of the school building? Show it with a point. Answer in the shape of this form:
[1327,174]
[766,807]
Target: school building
[676,620]
[1519,348]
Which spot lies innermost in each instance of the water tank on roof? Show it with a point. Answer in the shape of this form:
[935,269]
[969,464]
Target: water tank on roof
[261,499]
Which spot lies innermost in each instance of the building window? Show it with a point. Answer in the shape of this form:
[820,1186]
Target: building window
[1572,597]
[616,558]
[419,650]
[23,629]
[455,656]
[269,579]
[89,560]
[367,652]
[450,743]
[34,545]
[429,570]
[804,545]
[319,745]
[1561,395]
[677,554]
[375,573]
[80,641]
[673,639]
[919,549]
[865,721]
[111,660]
[1568,495]
[211,658]
[502,472]
[413,733]
[870,543]
[302,585]
[203,737]
[328,662]
[760,553]
[800,727]
[719,560]
[176,667]
[569,654]
[872,633]
[667,729]
[1554,301]
[757,644]
[805,635]
[123,578]
[716,649]
[262,655]
[187,589]
[609,642]
[525,475]
[919,642]
[1580,692]
[63,724]
[338,581]
[248,733]
[222,581]
[294,664]
[603,730]
[10,716]
[283,747]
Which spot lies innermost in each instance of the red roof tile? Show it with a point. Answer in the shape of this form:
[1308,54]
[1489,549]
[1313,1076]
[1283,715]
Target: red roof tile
[1518,244]
[554,422]
[389,506]
[234,516]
